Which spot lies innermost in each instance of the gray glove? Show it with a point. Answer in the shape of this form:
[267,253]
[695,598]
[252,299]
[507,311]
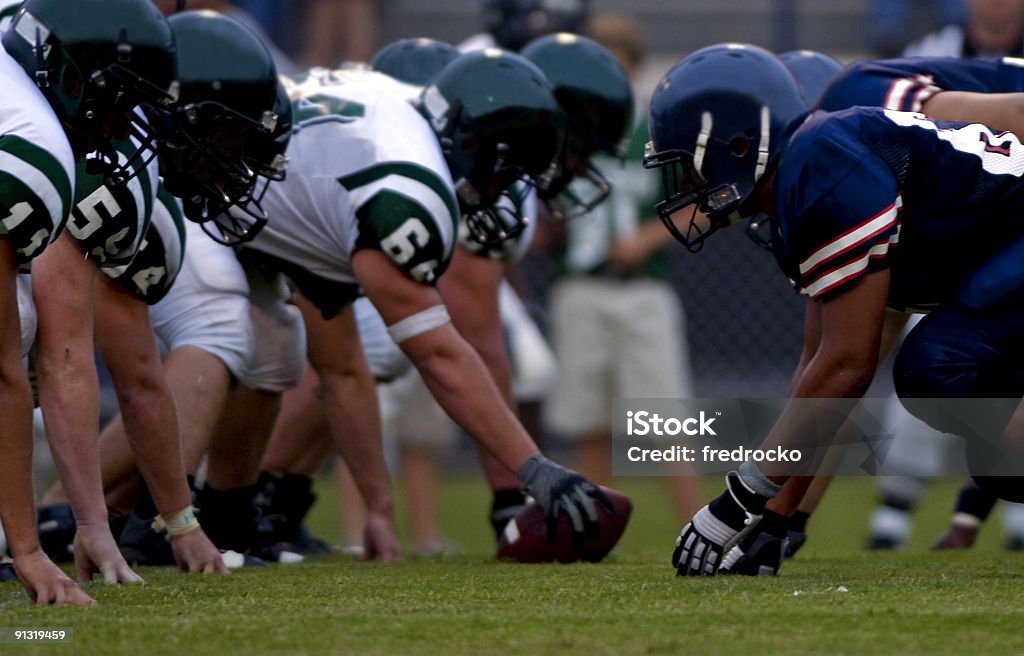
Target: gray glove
[558,489]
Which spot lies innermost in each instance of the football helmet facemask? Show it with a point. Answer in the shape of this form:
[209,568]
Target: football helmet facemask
[265,156]
[718,122]
[595,94]
[94,61]
[228,93]
[497,121]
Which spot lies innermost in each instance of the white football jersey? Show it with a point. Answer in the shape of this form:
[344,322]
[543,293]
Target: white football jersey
[37,168]
[365,171]
[7,10]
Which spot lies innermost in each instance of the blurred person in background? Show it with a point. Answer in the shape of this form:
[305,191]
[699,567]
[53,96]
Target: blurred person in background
[991,28]
[618,327]
[891,22]
[258,24]
[511,24]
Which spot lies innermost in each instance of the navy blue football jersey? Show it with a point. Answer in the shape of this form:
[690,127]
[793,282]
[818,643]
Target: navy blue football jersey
[869,188]
[906,84]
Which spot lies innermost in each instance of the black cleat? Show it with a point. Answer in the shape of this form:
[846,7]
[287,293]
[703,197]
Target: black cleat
[794,540]
[57,532]
[884,543]
[7,572]
[282,503]
[142,545]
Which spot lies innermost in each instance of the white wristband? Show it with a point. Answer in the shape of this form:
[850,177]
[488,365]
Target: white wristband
[419,323]
[182,522]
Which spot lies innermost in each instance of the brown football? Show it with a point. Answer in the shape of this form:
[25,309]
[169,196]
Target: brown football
[524,539]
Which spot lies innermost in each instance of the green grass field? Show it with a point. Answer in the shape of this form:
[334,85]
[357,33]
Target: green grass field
[833,599]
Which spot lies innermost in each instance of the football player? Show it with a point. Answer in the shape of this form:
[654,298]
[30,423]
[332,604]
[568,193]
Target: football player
[511,24]
[944,88]
[73,73]
[593,90]
[224,101]
[869,208]
[488,120]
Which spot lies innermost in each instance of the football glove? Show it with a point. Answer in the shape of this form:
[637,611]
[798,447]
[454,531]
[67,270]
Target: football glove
[717,528]
[558,489]
[758,554]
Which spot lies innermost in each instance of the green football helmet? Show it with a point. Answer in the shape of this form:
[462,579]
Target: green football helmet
[95,61]
[414,61]
[497,121]
[265,154]
[228,93]
[596,96]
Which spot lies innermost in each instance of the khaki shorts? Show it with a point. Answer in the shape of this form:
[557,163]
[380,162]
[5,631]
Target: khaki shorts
[614,339]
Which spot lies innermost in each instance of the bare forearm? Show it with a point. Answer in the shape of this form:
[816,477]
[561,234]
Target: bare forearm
[69,395]
[351,406]
[151,426]
[147,404]
[16,502]
[458,379]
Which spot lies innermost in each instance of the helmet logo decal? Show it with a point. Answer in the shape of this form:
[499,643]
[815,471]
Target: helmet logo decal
[706,122]
[764,143]
[437,108]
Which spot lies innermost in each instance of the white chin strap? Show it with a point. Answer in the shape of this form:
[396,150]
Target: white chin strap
[706,122]
[763,146]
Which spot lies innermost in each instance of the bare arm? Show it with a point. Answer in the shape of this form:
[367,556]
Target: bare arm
[469,289]
[62,280]
[849,330]
[350,403]
[129,350]
[451,369]
[1003,111]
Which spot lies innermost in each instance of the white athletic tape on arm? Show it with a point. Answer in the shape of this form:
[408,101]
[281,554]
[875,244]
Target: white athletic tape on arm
[182,522]
[419,323]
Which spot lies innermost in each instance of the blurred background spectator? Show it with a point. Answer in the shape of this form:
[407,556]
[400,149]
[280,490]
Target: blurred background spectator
[991,28]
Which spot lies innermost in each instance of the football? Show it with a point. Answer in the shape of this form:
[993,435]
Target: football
[524,539]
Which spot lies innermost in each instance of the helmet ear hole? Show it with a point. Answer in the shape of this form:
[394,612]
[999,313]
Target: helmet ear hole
[739,146]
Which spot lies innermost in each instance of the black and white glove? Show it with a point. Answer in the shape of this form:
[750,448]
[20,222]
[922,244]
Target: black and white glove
[558,489]
[717,528]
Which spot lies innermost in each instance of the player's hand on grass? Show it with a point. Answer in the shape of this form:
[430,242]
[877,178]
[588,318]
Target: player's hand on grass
[380,540]
[46,583]
[717,528]
[96,552]
[557,490]
[196,554]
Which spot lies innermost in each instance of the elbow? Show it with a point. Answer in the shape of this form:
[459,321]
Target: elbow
[854,375]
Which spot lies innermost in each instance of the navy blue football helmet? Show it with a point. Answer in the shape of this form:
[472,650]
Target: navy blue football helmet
[717,122]
[813,71]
